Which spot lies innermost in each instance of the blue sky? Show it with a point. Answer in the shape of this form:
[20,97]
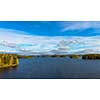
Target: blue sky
[55,28]
[35,27]
[34,37]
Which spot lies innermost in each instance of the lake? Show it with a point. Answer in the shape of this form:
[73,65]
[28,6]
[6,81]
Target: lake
[53,68]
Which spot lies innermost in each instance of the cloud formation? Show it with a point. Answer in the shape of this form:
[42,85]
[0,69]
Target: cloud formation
[81,25]
[14,41]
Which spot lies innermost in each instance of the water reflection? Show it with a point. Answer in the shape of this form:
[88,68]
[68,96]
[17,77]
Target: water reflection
[4,71]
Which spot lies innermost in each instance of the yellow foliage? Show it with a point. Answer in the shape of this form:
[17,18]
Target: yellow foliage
[8,60]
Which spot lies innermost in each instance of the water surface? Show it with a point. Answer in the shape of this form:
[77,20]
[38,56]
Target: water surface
[53,68]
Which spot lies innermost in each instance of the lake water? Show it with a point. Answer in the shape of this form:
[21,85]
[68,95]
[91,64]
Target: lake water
[53,68]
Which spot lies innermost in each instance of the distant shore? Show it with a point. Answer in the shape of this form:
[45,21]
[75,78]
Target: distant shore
[74,56]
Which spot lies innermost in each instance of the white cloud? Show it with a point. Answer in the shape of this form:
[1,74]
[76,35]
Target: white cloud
[19,42]
[81,25]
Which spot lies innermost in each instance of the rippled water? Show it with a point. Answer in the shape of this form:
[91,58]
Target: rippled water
[53,68]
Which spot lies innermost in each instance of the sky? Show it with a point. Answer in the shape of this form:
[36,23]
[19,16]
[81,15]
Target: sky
[55,28]
[31,37]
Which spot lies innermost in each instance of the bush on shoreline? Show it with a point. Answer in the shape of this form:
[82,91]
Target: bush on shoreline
[8,60]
